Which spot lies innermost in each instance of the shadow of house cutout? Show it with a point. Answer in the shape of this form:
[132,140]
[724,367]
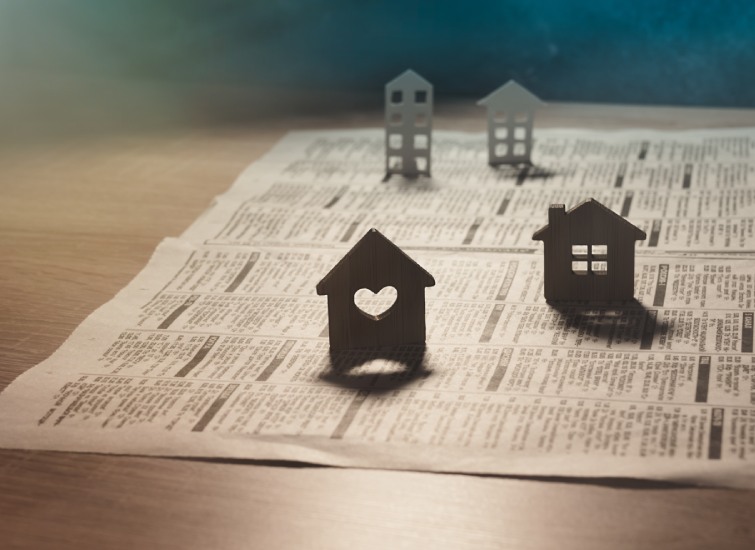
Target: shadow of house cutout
[630,322]
[523,172]
[375,263]
[510,114]
[393,367]
[589,254]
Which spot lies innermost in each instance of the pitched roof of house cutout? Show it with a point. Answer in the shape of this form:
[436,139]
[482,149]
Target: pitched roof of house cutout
[512,95]
[376,240]
[592,207]
[408,77]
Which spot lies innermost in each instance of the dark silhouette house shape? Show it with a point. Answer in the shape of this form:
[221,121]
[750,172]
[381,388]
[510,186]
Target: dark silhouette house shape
[589,254]
[374,263]
[408,125]
[510,112]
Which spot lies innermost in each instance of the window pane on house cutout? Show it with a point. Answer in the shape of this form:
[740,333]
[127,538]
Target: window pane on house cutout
[579,251]
[519,150]
[600,251]
[395,141]
[421,164]
[421,120]
[397,96]
[521,118]
[600,268]
[499,116]
[420,141]
[394,163]
[579,268]
[396,119]
[420,96]
[501,149]
[520,132]
[501,133]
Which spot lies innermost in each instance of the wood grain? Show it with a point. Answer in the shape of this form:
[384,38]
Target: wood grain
[79,217]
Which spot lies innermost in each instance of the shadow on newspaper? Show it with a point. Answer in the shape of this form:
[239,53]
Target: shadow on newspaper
[611,322]
[377,369]
[523,172]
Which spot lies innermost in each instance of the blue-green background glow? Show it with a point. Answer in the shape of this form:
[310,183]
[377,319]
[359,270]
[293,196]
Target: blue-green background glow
[695,52]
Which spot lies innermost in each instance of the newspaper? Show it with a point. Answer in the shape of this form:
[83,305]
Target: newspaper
[219,347]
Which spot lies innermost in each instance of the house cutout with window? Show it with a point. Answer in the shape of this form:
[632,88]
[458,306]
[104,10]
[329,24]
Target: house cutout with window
[408,125]
[510,111]
[375,263]
[589,254]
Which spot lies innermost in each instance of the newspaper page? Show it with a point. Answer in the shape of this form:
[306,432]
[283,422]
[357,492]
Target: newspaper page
[219,347]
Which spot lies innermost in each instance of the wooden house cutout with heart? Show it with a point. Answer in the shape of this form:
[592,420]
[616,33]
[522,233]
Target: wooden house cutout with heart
[375,263]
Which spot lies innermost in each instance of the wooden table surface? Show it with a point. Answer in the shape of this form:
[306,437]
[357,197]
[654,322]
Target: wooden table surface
[80,216]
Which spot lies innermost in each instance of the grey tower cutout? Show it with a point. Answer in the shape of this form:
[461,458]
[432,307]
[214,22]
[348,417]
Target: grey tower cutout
[511,111]
[408,125]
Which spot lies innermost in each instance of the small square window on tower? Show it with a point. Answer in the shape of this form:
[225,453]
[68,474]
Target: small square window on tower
[397,97]
[420,96]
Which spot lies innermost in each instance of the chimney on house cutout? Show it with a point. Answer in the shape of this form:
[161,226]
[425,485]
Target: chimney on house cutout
[556,214]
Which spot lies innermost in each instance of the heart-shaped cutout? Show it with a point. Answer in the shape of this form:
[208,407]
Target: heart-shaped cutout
[375,306]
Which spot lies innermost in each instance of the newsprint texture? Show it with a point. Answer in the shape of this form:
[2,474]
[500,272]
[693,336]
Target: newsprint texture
[219,348]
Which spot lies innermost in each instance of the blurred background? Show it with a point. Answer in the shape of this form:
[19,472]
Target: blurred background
[84,63]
